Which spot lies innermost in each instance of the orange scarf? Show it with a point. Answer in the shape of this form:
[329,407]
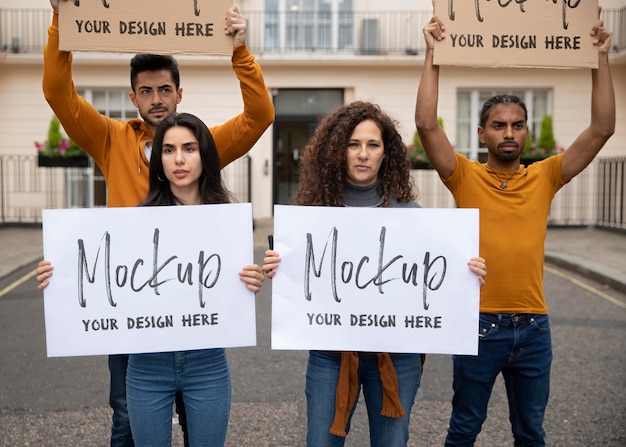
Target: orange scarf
[348,386]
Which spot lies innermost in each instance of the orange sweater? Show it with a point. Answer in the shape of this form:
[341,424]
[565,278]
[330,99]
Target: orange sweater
[117,147]
[512,229]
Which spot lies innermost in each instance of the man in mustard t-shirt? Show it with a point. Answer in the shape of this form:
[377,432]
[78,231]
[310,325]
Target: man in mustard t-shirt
[514,331]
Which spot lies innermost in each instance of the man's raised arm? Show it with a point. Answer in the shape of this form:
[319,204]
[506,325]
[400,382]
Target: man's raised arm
[587,145]
[436,144]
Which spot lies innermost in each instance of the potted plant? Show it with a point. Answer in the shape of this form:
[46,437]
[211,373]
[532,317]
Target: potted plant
[59,150]
[543,147]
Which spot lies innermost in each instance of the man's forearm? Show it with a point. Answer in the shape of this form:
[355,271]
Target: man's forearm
[602,98]
[427,94]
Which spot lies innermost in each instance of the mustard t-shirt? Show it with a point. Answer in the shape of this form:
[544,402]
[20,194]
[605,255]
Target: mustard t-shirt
[513,225]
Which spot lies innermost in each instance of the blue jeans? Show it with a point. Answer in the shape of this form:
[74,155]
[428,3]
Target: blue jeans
[120,427]
[321,384]
[518,346]
[202,377]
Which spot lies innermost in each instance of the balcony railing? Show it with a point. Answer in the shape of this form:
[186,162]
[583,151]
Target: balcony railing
[24,31]
[294,33]
[339,33]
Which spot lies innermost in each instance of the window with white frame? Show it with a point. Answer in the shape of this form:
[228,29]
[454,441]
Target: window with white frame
[116,104]
[469,103]
[308,25]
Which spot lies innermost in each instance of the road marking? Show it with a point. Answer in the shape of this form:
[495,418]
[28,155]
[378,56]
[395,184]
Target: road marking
[17,283]
[593,290]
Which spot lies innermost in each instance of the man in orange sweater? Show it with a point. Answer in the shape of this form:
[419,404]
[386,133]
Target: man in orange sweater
[122,149]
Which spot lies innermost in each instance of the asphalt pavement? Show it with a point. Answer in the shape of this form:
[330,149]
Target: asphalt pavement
[62,402]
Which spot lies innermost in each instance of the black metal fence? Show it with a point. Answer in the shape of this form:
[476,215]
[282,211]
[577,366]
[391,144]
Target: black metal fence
[26,188]
[611,189]
[593,198]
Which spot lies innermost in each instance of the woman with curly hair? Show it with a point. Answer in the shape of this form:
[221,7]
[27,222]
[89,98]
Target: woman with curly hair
[373,171]
[356,158]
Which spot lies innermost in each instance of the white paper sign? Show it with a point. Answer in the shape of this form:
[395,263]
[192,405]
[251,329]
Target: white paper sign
[148,279]
[375,279]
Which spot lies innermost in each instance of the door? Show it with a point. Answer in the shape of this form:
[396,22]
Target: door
[290,139]
[297,115]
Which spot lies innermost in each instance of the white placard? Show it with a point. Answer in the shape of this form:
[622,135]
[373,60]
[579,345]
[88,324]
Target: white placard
[375,279]
[148,279]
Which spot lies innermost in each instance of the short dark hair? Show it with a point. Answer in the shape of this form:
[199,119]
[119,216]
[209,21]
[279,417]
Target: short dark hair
[153,62]
[500,99]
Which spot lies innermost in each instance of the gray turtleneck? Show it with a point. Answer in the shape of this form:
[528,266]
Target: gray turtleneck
[368,196]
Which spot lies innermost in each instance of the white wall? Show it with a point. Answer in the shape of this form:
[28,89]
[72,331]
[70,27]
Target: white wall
[24,113]
[211,91]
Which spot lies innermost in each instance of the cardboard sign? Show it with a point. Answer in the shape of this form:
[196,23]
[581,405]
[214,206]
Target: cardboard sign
[148,279]
[145,26]
[517,33]
[375,279]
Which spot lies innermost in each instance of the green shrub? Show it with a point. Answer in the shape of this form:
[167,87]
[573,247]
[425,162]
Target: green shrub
[416,154]
[545,145]
[57,144]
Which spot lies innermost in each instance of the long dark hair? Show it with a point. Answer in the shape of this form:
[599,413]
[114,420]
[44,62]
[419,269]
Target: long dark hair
[212,188]
[323,168]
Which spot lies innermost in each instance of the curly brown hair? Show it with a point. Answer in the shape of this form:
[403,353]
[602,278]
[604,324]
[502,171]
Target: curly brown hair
[323,167]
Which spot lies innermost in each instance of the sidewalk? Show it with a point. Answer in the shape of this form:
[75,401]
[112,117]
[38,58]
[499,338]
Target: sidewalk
[597,254]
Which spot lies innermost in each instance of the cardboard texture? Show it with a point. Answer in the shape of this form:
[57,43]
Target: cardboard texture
[520,33]
[145,26]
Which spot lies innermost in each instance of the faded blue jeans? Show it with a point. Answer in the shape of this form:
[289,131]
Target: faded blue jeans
[203,378]
[519,347]
[321,384]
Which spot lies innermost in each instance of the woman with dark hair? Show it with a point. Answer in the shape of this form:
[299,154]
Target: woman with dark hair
[196,182]
[356,158]
[184,170]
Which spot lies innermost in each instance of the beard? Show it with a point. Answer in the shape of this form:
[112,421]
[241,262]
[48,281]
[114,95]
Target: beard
[155,121]
[507,156]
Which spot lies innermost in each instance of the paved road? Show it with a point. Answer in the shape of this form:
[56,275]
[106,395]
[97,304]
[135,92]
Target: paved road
[63,401]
